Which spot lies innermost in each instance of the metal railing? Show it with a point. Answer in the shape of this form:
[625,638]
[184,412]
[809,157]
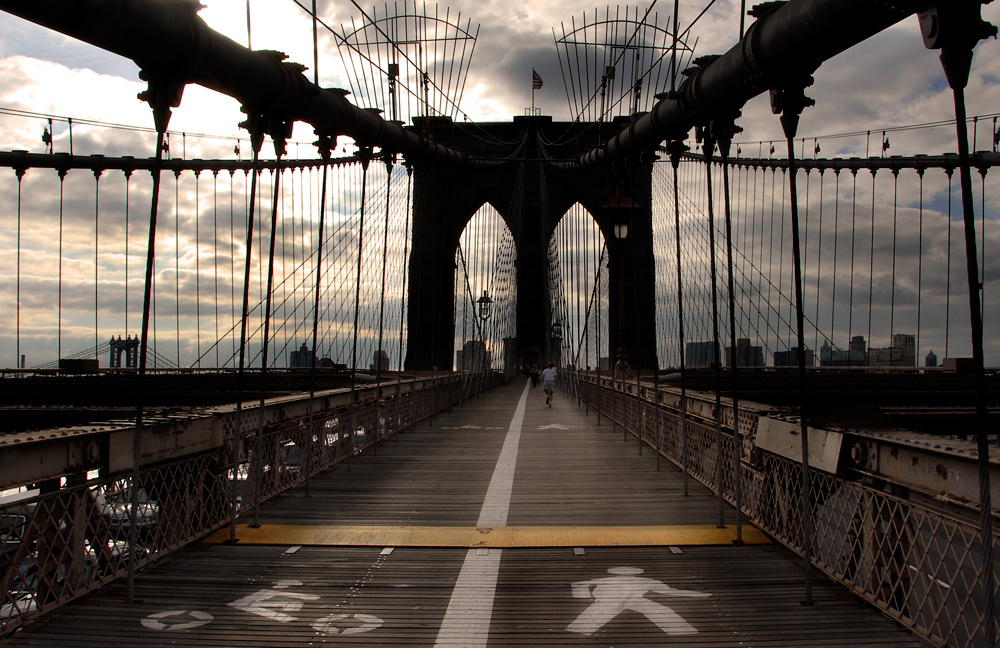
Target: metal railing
[918,562]
[71,535]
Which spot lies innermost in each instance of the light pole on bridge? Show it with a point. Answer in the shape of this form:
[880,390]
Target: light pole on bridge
[484,313]
[621,235]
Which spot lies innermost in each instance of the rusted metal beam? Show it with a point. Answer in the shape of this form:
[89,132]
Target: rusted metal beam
[171,43]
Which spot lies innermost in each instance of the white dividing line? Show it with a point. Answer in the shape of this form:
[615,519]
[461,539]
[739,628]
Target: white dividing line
[466,622]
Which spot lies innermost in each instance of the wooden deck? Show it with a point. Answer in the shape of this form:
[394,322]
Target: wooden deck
[491,526]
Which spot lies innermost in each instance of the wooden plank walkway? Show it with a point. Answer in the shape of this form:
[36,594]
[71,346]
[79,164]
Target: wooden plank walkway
[600,549]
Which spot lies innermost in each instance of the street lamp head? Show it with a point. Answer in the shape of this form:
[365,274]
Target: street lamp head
[621,231]
[485,306]
[557,330]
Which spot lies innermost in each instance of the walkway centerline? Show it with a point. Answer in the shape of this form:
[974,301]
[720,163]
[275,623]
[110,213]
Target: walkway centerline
[466,622]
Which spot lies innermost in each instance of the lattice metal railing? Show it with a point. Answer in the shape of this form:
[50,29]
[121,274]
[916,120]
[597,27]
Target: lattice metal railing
[60,544]
[919,564]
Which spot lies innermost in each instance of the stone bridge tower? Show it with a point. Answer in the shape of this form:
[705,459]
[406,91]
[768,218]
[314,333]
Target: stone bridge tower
[525,170]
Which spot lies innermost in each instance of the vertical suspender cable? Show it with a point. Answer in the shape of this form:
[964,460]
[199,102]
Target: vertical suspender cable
[871,265]
[597,319]
[947,299]
[850,299]
[381,311]
[676,148]
[249,45]
[790,102]
[781,279]
[279,151]
[920,256]
[982,238]
[402,299]
[324,150]
[256,140]
[284,254]
[770,265]
[957,63]
[197,263]
[161,116]
[760,249]
[892,293]
[724,147]
[836,244]
[215,255]
[20,171]
[365,155]
[709,148]
[97,238]
[62,187]
[819,262]
[579,292]
[128,185]
[232,260]
[177,262]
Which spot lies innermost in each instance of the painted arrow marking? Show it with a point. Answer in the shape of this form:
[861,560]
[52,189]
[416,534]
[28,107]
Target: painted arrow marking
[188,619]
[353,624]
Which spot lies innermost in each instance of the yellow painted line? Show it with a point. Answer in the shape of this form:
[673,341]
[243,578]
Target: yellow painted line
[506,537]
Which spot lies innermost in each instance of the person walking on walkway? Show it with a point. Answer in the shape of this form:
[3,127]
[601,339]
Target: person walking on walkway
[549,376]
[533,373]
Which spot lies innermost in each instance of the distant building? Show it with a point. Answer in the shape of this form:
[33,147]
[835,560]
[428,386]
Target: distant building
[855,356]
[790,358]
[902,353]
[908,344]
[303,358]
[701,354]
[745,356]
[931,360]
[380,361]
[858,348]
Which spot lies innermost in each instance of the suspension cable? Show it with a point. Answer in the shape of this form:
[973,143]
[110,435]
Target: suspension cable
[365,159]
[19,171]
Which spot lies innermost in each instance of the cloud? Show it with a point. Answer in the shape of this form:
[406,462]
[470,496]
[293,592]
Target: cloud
[886,82]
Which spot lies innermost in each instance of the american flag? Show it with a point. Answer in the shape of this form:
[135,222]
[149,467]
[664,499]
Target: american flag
[536,80]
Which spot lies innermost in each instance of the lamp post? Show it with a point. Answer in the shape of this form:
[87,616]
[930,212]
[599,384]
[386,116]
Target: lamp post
[556,342]
[621,235]
[485,311]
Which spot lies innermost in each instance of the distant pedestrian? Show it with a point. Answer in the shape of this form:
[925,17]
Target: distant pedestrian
[549,377]
[534,375]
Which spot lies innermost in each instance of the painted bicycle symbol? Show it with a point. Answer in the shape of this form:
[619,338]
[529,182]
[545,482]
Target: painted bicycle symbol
[277,603]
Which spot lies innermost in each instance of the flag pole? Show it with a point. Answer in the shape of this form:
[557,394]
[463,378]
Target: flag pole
[536,83]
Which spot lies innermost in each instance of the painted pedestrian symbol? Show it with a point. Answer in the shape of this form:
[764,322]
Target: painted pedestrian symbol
[626,590]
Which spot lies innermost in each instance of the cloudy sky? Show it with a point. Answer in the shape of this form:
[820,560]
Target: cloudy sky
[889,83]
[892,80]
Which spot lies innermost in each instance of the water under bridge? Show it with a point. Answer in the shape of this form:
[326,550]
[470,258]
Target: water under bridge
[285,398]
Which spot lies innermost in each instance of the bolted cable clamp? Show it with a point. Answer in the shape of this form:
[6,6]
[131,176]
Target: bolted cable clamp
[955,27]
